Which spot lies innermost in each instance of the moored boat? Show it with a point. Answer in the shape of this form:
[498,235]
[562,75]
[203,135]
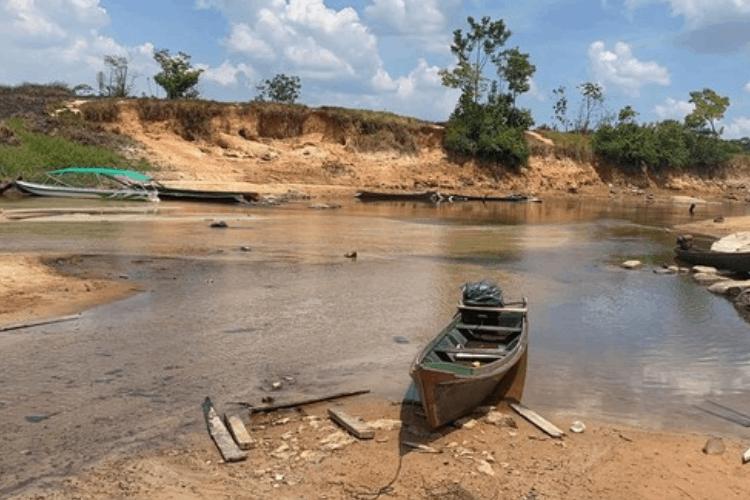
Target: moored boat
[83,192]
[465,364]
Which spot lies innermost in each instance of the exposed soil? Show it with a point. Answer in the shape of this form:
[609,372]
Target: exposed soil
[30,289]
[716,229]
[237,147]
[304,455]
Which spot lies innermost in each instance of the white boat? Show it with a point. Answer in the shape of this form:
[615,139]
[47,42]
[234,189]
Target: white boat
[82,192]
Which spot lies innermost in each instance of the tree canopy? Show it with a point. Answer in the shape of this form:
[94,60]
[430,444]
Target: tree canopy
[709,108]
[281,88]
[178,78]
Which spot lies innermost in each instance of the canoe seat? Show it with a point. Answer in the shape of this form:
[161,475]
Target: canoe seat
[468,354]
[488,328]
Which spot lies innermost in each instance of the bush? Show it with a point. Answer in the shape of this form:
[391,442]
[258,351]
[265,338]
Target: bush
[101,111]
[661,146]
[192,118]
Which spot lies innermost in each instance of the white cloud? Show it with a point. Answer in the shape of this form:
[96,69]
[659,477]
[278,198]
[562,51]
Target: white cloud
[747,87]
[47,40]
[227,73]
[619,67]
[700,12]
[335,52]
[739,127]
[673,109]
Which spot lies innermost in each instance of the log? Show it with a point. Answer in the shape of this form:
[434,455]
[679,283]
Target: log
[536,419]
[295,404]
[239,431]
[353,425]
[219,433]
[40,322]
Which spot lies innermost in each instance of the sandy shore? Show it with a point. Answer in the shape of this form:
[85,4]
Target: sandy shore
[302,454]
[709,227]
[30,289]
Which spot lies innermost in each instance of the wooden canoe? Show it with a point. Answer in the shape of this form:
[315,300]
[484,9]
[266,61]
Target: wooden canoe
[464,365]
[137,194]
[738,262]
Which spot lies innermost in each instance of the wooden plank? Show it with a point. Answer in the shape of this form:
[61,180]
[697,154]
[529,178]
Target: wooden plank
[498,329]
[302,402]
[219,433]
[536,419]
[353,425]
[239,432]
[40,322]
[512,310]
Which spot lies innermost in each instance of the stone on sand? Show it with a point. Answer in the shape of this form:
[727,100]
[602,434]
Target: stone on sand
[708,279]
[631,264]
[714,446]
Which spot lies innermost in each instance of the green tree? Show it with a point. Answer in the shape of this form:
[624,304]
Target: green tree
[593,100]
[178,78]
[560,108]
[473,50]
[709,108]
[115,82]
[516,69]
[627,114]
[281,88]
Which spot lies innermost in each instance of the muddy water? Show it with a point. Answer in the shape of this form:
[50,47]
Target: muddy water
[606,344]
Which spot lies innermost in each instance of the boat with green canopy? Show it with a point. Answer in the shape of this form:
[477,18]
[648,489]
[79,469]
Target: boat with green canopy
[115,183]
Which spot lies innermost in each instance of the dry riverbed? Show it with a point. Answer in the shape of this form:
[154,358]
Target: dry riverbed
[302,454]
[30,289]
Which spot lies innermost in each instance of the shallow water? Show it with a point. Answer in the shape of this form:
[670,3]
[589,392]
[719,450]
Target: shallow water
[606,344]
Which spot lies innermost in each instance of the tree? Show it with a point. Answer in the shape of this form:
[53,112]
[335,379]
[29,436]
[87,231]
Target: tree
[593,99]
[480,45]
[281,88]
[178,78]
[560,108]
[627,114]
[517,71]
[709,108]
[115,82]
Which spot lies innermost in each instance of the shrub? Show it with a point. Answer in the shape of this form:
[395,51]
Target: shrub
[101,111]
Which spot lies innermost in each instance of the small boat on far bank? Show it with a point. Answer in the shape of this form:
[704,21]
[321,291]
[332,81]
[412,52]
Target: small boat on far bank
[466,363]
[123,193]
[437,197]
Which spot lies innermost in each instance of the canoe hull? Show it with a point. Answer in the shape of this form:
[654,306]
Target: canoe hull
[70,192]
[738,262]
[447,396]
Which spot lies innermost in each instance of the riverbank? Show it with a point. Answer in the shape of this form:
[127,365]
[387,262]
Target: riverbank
[31,290]
[716,228]
[301,454]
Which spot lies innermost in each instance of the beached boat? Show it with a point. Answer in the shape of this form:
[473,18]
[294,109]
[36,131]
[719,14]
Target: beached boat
[122,193]
[466,363]
[437,197]
[732,261]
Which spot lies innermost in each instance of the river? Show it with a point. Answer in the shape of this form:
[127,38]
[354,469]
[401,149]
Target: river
[606,344]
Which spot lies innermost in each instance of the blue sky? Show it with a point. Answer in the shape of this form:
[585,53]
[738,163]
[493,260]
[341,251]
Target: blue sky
[385,54]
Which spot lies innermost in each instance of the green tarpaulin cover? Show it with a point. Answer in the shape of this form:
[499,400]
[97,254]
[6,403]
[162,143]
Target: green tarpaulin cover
[111,172]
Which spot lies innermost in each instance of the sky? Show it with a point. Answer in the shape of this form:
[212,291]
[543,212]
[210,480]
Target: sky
[386,54]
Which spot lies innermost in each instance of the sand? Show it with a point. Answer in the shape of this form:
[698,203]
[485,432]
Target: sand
[714,229]
[304,455]
[30,290]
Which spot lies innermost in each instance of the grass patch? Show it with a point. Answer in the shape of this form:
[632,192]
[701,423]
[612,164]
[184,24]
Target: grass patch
[36,153]
[570,145]
[104,110]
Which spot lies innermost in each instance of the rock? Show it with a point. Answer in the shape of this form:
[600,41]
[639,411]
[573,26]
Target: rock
[399,339]
[631,264]
[336,441]
[685,270]
[729,287]
[708,279]
[500,419]
[351,255]
[485,468]
[219,224]
[714,446]
[704,269]
[674,269]
[276,386]
[746,457]
[245,249]
[421,448]
[664,270]
[384,424]
[312,456]
[465,423]
[577,427]
[743,300]
[719,219]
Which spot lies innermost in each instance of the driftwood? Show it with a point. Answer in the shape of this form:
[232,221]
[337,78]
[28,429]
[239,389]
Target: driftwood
[219,433]
[239,431]
[295,404]
[536,419]
[353,425]
[41,322]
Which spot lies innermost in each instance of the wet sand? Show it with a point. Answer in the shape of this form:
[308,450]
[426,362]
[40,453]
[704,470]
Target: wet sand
[709,227]
[124,384]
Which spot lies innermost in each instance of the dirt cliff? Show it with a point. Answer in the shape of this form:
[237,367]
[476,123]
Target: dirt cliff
[332,150]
